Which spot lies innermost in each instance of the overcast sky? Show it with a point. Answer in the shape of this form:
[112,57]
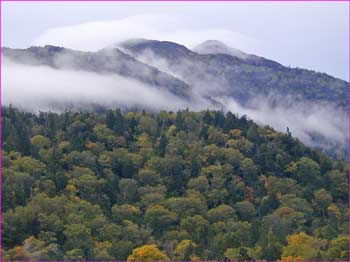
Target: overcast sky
[300,34]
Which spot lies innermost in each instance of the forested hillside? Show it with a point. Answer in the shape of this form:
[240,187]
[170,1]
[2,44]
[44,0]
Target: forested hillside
[178,186]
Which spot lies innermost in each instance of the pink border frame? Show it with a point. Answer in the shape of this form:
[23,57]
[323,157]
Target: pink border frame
[348,160]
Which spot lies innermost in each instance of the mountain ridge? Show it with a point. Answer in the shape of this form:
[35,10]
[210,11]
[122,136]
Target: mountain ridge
[242,76]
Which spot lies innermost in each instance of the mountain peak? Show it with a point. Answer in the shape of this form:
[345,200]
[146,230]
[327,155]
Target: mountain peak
[165,48]
[218,47]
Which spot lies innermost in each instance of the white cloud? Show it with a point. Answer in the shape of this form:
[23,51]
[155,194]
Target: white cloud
[96,35]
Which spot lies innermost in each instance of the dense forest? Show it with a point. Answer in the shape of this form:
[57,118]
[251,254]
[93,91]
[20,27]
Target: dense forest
[167,186]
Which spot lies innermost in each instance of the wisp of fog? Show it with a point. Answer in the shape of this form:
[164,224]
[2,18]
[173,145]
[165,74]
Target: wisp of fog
[41,88]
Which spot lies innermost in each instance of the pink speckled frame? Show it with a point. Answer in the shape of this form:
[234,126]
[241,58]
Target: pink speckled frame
[169,1]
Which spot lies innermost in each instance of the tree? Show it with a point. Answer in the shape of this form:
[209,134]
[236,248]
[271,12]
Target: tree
[125,212]
[246,210]
[128,189]
[339,249]
[148,177]
[186,206]
[216,136]
[29,165]
[78,238]
[121,249]
[306,170]
[17,188]
[252,133]
[199,183]
[148,125]
[119,125]
[338,184]
[322,200]
[40,142]
[105,135]
[302,246]
[296,203]
[110,119]
[163,141]
[159,218]
[220,213]
[185,250]
[242,253]
[101,251]
[74,254]
[147,252]
[88,186]
[270,248]
[249,170]
[39,249]
[16,253]
[197,228]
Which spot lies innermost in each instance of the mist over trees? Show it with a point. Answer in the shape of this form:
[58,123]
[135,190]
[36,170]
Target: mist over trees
[162,75]
[166,186]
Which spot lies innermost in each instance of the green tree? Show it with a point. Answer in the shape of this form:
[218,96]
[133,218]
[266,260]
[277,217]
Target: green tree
[306,170]
[245,210]
[322,200]
[220,213]
[197,227]
[128,189]
[159,218]
[78,238]
[339,248]
[242,253]
[126,212]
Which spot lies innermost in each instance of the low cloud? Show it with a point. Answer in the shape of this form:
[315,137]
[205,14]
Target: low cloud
[304,119]
[37,88]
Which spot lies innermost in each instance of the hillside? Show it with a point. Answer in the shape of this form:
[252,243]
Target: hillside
[197,185]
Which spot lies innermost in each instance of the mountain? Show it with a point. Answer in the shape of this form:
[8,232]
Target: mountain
[213,75]
[217,47]
[105,61]
[218,70]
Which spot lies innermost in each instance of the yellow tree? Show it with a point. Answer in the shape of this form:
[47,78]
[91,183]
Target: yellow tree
[302,246]
[147,253]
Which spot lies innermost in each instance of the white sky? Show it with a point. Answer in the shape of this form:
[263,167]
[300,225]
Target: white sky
[313,35]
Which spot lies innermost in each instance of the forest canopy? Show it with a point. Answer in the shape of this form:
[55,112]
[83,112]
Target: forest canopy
[166,186]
